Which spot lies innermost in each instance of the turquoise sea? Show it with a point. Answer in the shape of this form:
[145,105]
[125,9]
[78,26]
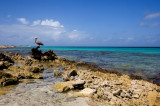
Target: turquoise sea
[141,61]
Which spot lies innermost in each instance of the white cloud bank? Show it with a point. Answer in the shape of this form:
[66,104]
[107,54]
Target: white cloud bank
[48,31]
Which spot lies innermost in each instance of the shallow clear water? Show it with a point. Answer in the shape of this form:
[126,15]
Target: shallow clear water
[144,62]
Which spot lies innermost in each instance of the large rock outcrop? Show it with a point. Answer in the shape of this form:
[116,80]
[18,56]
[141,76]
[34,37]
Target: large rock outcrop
[46,56]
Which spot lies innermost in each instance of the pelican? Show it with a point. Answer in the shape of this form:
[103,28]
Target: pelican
[37,42]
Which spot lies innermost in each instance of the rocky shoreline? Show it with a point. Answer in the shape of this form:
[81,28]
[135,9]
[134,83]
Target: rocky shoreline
[79,80]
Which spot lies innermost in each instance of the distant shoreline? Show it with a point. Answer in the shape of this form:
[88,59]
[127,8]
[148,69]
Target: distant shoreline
[5,47]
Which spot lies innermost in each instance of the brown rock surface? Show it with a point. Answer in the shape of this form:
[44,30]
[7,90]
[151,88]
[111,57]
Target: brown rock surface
[114,89]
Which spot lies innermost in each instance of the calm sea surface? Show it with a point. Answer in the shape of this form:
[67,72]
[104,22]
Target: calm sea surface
[141,61]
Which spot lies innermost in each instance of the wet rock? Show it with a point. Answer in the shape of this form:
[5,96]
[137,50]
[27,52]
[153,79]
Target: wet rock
[33,69]
[57,73]
[29,75]
[87,92]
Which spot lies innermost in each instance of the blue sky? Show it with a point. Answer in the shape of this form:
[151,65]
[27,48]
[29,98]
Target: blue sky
[80,22]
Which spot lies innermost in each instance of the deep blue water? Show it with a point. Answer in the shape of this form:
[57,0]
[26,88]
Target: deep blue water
[141,61]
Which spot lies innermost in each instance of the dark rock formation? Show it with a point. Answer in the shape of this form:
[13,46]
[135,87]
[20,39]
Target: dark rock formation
[5,61]
[36,53]
[5,75]
[7,79]
[46,56]
[49,55]
[5,58]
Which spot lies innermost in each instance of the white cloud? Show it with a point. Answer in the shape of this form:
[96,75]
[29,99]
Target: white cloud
[51,23]
[23,20]
[153,15]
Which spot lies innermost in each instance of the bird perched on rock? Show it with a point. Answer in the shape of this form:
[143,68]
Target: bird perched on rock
[37,42]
